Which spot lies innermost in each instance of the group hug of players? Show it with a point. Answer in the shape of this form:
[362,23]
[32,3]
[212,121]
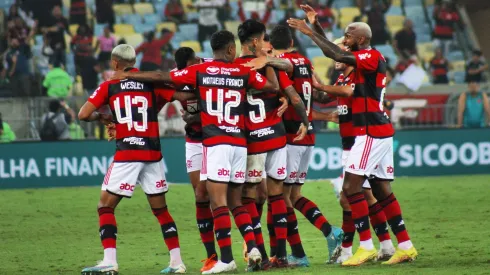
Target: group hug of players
[248,137]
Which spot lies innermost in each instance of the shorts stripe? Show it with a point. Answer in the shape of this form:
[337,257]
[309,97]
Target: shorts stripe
[108,174]
[204,166]
[366,152]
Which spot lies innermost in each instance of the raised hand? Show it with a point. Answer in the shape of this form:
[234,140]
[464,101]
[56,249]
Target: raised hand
[256,63]
[300,25]
[310,13]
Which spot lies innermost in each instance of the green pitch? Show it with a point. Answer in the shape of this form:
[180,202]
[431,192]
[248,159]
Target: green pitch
[55,231]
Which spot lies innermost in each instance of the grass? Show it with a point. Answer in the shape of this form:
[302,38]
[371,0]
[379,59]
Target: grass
[55,231]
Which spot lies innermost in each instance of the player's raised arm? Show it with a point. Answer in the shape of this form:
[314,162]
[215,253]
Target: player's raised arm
[278,63]
[312,16]
[343,91]
[329,49]
[88,112]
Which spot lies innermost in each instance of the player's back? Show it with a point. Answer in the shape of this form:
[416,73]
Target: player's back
[135,112]
[302,77]
[369,117]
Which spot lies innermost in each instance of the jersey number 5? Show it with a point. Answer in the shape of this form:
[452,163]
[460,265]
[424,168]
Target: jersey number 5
[223,109]
[128,119]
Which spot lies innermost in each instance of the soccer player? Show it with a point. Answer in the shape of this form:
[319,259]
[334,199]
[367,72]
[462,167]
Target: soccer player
[343,91]
[266,139]
[371,156]
[138,158]
[299,152]
[222,87]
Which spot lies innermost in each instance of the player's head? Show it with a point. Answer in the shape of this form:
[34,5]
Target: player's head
[251,34]
[267,47]
[340,42]
[281,38]
[357,35]
[185,57]
[223,45]
[123,56]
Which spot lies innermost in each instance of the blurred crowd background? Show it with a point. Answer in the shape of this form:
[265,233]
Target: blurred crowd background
[55,54]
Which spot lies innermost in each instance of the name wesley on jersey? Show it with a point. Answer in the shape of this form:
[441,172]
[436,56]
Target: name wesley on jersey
[131,85]
[222,81]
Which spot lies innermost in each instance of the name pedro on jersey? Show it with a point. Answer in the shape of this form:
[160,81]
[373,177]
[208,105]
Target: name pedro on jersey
[222,81]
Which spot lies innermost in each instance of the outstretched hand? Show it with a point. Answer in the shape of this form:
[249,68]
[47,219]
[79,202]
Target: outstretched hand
[256,63]
[311,14]
[302,131]
[300,25]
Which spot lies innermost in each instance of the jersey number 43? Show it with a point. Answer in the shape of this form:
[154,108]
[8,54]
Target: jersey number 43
[142,103]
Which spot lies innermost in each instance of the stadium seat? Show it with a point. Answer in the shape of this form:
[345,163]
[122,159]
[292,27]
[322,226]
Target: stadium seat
[73,28]
[38,39]
[397,3]
[192,16]
[123,29]
[134,39]
[99,29]
[430,2]
[191,44]
[314,52]
[167,25]
[277,15]
[67,41]
[131,19]
[416,14]
[339,4]
[304,40]
[188,31]
[143,8]
[386,50]
[395,21]
[408,3]
[151,19]
[424,38]
[238,47]
[142,28]
[347,15]
[322,62]
[394,10]
[459,65]
[185,4]
[337,32]
[232,26]
[426,50]
[121,9]
[455,56]
[459,77]
[159,8]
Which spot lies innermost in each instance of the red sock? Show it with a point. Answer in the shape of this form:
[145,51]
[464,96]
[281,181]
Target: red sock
[378,222]
[279,220]
[393,213]
[107,227]
[294,239]
[349,229]
[205,224]
[271,229]
[360,212]
[169,229]
[310,210]
[249,204]
[222,228]
[244,224]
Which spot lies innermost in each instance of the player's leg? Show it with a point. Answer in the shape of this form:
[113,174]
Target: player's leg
[382,191]
[377,218]
[298,255]
[153,182]
[204,216]
[113,190]
[253,177]
[217,166]
[275,168]
[261,197]
[311,211]
[365,154]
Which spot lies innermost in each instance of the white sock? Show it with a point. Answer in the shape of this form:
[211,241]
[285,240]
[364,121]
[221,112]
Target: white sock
[347,250]
[387,244]
[110,256]
[405,245]
[368,245]
[175,259]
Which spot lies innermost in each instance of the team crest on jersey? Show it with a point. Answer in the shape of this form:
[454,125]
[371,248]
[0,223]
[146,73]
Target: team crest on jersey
[212,70]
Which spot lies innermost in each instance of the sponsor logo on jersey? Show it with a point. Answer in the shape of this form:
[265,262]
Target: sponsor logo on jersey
[259,77]
[161,184]
[262,132]
[240,175]
[134,141]
[126,187]
[254,173]
[189,163]
[212,70]
[390,170]
[132,85]
[364,56]
[223,172]
[181,73]
[281,171]
[230,129]
[302,175]
[293,175]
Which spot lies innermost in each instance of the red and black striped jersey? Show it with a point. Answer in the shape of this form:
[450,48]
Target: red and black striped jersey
[302,77]
[135,108]
[344,109]
[222,90]
[368,116]
[264,128]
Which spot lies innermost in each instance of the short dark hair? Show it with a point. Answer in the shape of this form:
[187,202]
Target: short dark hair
[182,56]
[267,37]
[477,52]
[281,37]
[250,29]
[54,105]
[221,39]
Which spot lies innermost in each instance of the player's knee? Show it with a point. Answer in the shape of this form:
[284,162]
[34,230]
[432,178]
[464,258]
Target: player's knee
[261,197]
[343,202]
[294,197]
[201,195]
[368,194]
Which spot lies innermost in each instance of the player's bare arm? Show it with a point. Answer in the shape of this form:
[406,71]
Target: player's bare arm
[321,97]
[181,96]
[343,91]
[326,116]
[278,63]
[312,16]
[329,49]
[190,118]
[88,112]
[144,76]
[272,85]
[300,109]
